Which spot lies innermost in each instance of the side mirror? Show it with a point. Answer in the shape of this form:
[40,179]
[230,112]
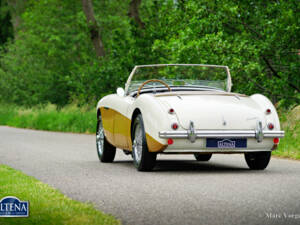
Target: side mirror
[120,92]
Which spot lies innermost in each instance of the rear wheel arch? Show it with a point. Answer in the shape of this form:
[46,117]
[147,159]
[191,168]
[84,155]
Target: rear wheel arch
[265,103]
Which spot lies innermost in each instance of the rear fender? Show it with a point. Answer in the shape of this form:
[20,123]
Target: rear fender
[265,104]
[155,118]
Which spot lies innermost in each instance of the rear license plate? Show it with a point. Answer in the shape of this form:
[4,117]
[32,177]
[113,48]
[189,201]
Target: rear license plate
[226,143]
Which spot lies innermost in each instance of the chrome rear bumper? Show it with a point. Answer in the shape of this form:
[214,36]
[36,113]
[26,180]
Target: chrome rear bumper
[192,133]
[220,134]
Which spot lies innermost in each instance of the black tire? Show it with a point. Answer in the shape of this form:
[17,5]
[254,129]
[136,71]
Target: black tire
[142,158]
[202,157]
[108,151]
[258,160]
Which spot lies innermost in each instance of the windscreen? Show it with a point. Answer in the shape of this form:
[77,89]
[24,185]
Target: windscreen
[186,76]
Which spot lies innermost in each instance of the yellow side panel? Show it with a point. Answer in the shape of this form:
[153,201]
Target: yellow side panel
[116,128]
[153,145]
[108,123]
[109,136]
[117,131]
[122,131]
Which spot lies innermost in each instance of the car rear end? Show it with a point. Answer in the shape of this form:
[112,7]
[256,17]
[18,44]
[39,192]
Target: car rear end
[218,123]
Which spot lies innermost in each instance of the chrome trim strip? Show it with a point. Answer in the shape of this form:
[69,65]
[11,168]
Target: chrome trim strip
[220,134]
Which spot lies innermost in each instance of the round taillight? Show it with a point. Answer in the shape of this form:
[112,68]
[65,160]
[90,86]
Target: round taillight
[268,111]
[171,111]
[174,126]
[270,126]
[170,141]
[276,140]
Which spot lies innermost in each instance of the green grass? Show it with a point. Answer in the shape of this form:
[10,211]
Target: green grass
[47,205]
[289,146]
[68,119]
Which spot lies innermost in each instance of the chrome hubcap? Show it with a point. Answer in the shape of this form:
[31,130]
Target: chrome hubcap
[100,137]
[138,144]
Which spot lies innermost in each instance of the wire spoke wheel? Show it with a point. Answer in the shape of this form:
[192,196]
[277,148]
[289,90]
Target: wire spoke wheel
[100,137]
[142,158]
[105,151]
[138,143]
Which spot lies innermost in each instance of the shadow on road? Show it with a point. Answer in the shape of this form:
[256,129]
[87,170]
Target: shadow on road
[189,165]
[180,165]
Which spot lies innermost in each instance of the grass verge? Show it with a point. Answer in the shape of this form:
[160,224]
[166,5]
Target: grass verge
[47,205]
[289,146]
[68,119]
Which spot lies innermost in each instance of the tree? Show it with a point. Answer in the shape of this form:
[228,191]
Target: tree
[134,12]
[57,55]
[94,28]
[6,30]
[258,40]
[16,7]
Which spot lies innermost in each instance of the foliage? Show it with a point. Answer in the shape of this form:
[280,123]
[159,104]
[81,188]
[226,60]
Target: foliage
[6,29]
[47,205]
[245,35]
[53,59]
[68,119]
[290,145]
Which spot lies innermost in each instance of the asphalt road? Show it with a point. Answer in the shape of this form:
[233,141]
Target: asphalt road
[179,190]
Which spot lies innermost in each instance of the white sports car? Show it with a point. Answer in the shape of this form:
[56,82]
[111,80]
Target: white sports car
[185,108]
